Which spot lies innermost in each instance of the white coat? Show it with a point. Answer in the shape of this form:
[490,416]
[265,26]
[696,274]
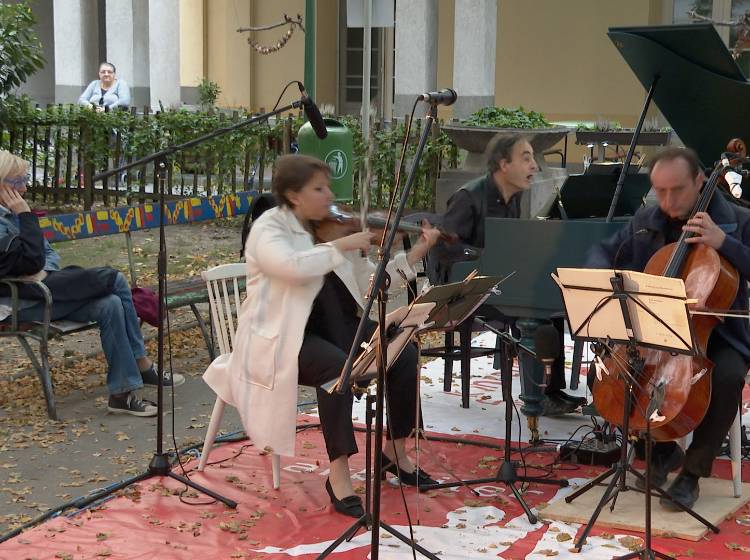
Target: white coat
[285,273]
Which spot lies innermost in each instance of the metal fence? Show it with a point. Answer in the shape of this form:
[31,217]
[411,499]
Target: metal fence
[67,145]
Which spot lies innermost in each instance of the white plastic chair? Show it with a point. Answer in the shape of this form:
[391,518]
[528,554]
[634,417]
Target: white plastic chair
[224,284]
[735,450]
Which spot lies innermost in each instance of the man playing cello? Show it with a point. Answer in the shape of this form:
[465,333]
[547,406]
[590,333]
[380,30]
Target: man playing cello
[677,179]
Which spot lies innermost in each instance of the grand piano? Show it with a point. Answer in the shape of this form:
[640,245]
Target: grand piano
[690,75]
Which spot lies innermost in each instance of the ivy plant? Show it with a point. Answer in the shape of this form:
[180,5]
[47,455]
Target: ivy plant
[20,48]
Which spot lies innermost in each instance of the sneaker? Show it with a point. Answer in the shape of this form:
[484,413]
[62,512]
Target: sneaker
[130,403]
[151,378]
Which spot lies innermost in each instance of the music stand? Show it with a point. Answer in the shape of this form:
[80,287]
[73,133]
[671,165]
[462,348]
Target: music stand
[628,307]
[440,307]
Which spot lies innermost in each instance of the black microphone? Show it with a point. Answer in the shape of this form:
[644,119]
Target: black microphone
[312,113]
[547,348]
[445,96]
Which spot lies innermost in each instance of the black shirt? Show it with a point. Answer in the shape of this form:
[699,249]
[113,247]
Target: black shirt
[462,215]
[334,314]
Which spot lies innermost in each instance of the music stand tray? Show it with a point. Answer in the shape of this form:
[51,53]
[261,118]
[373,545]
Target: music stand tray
[455,302]
[636,309]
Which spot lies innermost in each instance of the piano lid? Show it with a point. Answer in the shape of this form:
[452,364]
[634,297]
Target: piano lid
[701,91]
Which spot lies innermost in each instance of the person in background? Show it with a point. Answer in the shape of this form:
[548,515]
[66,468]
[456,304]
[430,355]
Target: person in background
[497,194]
[106,93]
[99,294]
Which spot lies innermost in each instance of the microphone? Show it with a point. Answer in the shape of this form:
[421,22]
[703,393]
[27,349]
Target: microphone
[734,180]
[547,347]
[312,113]
[445,96]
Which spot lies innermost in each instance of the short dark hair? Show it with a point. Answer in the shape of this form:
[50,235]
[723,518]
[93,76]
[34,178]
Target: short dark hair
[501,148]
[671,153]
[112,66]
[292,172]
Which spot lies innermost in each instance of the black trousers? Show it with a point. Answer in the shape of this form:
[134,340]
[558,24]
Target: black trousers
[727,382]
[321,361]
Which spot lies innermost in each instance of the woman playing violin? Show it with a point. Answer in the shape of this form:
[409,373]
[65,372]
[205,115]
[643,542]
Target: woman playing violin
[677,179]
[298,323]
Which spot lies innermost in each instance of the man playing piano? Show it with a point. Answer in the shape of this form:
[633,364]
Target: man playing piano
[510,170]
[676,179]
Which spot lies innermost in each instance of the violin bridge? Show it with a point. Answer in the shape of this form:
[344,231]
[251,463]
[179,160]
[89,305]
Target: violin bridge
[698,375]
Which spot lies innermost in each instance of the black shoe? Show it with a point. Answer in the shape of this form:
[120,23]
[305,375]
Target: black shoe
[129,403]
[552,405]
[351,505]
[417,478]
[151,378]
[684,490]
[578,401]
[660,468]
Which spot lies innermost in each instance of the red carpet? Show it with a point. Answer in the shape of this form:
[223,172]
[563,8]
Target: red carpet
[150,520]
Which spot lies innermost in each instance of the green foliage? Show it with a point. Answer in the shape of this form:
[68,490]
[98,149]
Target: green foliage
[438,152]
[599,126]
[20,49]
[500,117]
[208,92]
[219,162]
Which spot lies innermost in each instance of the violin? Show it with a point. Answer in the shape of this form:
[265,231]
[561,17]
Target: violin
[679,385]
[340,223]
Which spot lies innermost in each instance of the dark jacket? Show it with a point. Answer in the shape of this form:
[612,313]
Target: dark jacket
[632,247]
[23,253]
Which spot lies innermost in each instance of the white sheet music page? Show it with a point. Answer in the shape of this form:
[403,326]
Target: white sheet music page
[655,302]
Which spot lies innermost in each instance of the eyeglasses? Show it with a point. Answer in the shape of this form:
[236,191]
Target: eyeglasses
[17,182]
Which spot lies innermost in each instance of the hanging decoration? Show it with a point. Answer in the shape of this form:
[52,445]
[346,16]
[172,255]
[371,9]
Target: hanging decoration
[742,24]
[283,40]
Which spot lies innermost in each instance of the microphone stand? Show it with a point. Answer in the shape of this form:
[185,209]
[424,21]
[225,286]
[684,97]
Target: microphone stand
[379,287]
[159,464]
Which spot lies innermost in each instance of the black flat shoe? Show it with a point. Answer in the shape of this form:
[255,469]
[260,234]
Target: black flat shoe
[578,401]
[351,505]
[417,478]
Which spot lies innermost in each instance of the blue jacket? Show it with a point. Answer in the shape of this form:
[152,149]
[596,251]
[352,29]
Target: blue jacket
[632,247]
[117,96]
[10,226]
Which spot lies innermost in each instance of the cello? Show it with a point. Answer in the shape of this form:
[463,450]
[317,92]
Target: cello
[682,382]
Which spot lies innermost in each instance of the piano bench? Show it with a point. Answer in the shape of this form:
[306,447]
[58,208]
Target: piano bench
[463,353]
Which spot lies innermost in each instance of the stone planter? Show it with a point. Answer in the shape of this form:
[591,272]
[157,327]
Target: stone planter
[474,140]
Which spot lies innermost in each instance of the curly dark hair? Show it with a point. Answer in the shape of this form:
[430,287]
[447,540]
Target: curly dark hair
[501,148]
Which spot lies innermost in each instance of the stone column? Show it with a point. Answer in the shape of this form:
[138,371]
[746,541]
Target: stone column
[416,52]
[127,45]
[76,47]
[164,52]
[475,30]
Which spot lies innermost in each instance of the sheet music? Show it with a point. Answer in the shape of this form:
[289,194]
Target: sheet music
[662,300]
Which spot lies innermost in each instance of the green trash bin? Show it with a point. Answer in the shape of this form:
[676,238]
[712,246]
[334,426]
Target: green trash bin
[336,150]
